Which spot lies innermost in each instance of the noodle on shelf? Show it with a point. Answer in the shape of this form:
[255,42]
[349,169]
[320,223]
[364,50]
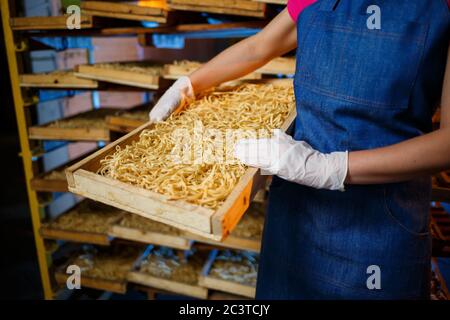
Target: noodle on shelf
[245,109]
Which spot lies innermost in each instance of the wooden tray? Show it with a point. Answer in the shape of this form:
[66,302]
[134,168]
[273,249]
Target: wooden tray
[49,231]
[57,80]
[153,11]
[47,23]
[156,238]
[45,132]
[123,77]
[233,7]
[43,184]
[146,279]
[46,183]
[123,124]
[208,223]
[116,286]
[214,283]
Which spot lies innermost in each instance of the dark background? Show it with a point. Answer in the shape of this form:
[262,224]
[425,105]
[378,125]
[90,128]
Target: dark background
[19,269]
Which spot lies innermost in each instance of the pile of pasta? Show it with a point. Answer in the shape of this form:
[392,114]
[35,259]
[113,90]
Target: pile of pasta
[149,162]
[88,216]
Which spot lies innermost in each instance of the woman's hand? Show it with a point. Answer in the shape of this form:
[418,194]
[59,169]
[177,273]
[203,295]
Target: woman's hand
[181,91]
[295,161]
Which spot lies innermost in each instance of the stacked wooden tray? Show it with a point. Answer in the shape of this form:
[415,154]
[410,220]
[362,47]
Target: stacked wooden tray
[56,80]
[87,126]
[212,224]
[232,272]
[103,268]
[163,270]
[232,7]
[136,228]
[87,222]
[153,11]
[136,74]
[247,234]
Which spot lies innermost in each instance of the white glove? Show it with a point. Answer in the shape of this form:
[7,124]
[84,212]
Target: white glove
[181,91]
[295,161]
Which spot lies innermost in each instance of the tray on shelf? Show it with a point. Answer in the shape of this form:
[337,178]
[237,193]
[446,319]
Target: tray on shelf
[232,272]
[56,80]
[162,269]
[47,23]
[87,222]
[136,228]
[129,120]
[104,268]
[232,7]
[135,74]
[86,126]
[152,11]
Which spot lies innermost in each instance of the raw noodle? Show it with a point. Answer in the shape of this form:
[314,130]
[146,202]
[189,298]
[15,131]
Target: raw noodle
[146,162]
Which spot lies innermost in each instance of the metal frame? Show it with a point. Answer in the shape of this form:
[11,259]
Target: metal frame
[44,259]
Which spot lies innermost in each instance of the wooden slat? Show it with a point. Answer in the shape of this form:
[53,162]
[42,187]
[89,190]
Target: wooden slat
[151,8]
[66,80]
[232,7]
[231,242]
[47,23]
[76,134]
[48,232]
[160,239]
[123,77]
[168,285]
[94,283]
[226,4]
[228,286]
[41,184]
[47,132]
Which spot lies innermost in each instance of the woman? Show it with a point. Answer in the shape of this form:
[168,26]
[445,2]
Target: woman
[348,206]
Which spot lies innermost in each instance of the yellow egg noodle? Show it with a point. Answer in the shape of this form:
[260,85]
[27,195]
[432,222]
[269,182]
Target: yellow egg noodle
[245,109]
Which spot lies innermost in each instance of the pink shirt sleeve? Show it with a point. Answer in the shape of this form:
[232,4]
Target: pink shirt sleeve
[295,7]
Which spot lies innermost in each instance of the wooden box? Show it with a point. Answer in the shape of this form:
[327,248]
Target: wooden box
[212,224]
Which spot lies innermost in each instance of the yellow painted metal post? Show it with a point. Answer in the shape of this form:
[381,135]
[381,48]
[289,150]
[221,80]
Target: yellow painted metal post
[25,146]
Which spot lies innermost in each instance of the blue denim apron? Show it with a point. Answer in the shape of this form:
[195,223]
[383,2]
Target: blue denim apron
[358,89]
